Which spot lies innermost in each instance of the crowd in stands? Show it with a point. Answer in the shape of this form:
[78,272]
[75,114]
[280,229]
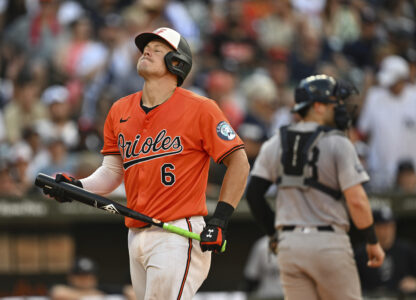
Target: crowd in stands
[63,63]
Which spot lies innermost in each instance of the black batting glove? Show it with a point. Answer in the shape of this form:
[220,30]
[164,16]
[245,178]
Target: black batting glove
[59,194]
[213,235]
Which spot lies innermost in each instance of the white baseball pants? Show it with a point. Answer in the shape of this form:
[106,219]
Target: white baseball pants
[164,265]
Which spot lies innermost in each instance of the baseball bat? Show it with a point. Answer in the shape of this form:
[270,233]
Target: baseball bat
[91,199]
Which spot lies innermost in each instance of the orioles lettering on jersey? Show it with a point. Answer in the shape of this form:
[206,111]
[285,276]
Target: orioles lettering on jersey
[162,145]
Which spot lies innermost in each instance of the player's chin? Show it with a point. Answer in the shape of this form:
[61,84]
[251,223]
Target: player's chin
[141,70]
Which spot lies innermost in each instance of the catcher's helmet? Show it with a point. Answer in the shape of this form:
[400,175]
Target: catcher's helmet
[182,54]
[321,88]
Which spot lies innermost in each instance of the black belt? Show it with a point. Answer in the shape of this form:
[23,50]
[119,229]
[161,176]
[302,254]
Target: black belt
[319,228]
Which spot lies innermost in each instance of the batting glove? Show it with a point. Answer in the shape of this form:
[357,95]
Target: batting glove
[213,235]
[59,194]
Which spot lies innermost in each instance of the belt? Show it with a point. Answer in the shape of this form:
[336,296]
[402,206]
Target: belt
[319,228]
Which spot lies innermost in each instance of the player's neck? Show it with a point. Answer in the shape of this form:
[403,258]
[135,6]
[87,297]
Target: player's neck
[313,118]
[155,93]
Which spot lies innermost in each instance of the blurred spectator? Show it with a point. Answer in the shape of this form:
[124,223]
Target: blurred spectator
[397,275]
[2,128]
[304,59]
[59,159]
[37,33]
[261,272]
[406,178]
[82,282]
[12,61]
[232,47]
[118,76]
[78,58]
[8,185]
[24,109]
[310,10]
[277,42]
[20,159]
[147,14]
[261,95]
[400,25]
[40,156]
[280,73]
[99,10]
[68,12]
[388,121]
[220,86]
[362,50]
[58,125]
[341,23]
[10,11]
[177,13]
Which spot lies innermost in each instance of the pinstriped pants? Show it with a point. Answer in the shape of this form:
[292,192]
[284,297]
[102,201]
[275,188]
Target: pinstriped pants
[167,266]
[317,265]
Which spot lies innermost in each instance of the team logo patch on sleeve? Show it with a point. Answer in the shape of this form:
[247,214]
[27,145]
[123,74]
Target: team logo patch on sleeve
[225,131]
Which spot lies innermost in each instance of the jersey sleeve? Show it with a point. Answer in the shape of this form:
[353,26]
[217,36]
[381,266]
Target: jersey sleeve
[218,137]
[266,164]
[350,169]
[110,139]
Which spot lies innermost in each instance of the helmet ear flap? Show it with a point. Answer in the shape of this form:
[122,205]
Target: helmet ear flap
[178,64]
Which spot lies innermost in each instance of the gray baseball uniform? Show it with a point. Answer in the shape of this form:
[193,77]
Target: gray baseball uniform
[315,255]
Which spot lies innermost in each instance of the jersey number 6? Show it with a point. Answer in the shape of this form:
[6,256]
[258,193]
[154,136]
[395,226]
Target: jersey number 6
[168,178]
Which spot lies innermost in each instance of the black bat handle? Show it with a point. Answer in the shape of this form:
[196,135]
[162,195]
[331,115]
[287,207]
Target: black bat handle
[81,195]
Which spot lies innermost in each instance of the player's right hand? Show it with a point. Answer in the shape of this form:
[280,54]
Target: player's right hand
[59,194]
[375,255]
[212,238]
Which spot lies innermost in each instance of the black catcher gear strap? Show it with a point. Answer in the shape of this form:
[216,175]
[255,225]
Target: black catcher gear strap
[261,210]
[298,152]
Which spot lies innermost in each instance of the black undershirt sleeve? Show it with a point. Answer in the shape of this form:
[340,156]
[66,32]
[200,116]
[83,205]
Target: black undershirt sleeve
[261,210]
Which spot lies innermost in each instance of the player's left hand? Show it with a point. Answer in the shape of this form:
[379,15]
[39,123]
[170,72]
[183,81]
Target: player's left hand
[212,237]
[375,255]
[59,194]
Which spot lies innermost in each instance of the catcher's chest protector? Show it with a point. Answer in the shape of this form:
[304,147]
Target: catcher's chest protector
[298,161]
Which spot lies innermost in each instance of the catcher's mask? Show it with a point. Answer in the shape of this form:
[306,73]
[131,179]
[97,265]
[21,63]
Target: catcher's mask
[181,56]
[325,89]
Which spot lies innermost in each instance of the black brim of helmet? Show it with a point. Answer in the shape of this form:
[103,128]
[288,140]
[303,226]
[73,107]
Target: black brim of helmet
[299,106]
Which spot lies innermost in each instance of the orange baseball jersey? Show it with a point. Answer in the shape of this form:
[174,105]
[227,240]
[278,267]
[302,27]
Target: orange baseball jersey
[166,152]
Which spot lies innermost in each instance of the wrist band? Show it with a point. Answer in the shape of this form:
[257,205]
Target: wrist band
[223,210]
[369,234]
[222,213]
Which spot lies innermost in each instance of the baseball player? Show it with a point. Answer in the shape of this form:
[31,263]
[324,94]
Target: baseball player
[159,141]
[319,179]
